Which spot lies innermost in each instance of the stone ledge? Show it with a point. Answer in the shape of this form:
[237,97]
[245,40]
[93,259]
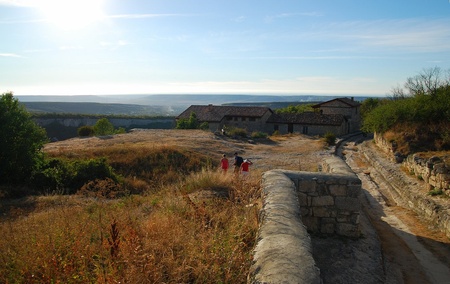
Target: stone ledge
[283,251]
[326,203]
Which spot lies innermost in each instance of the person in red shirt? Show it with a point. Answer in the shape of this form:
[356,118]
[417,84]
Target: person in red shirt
[224,163]
[245,167]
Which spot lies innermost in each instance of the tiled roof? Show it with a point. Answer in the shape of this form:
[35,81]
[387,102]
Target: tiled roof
[307,118]
[211,113]
[347,101]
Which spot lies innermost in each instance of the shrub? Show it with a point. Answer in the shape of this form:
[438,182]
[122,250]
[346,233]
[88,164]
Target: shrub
[330,138]
[85,131]
[67,177]
[237,132]
[435,192]
[258,134]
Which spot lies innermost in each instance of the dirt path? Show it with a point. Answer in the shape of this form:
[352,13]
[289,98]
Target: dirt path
[413,252]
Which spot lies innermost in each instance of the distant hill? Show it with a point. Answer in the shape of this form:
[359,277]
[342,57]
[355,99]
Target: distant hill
[101,108]
[157,105]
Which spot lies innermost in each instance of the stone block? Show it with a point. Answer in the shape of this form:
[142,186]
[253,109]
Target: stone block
[338,190]
[303,199]
[322,201]
[347,203]
[321,212]
[307,186]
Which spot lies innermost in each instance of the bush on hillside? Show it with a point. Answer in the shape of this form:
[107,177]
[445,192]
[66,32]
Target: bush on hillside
[86,131]
[67,177]
[417,121]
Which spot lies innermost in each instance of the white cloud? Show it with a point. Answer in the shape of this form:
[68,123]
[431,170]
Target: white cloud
[21,3]
[140,16]
[9,55]
[412,35]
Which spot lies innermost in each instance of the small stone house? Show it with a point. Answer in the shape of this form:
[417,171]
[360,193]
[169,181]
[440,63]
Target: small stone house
[348,108]
[339,116]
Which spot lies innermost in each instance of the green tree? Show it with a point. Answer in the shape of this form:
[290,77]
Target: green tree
[103,127]
[21,141]
[300,108]
[191,123]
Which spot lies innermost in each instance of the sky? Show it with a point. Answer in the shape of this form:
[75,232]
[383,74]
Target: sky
[265,47]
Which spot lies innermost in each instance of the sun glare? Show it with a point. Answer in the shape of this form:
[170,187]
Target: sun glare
[72,14]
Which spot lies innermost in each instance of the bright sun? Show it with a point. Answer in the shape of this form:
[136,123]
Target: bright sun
[72,14]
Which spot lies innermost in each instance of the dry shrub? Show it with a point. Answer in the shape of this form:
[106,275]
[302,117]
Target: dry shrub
[106,188]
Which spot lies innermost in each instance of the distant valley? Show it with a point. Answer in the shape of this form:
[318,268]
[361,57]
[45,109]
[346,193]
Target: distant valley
[156,105]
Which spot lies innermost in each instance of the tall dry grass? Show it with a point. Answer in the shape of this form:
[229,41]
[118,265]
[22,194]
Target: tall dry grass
[200,229]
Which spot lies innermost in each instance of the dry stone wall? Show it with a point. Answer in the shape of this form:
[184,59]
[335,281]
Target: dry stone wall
[434,170]
[294,204]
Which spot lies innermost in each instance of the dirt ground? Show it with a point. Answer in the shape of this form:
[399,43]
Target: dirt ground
[397,246]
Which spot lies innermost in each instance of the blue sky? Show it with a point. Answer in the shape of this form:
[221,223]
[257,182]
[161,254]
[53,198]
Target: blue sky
[215,47]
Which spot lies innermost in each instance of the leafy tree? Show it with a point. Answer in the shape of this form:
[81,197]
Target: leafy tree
[21,141]
[103,127]
[300,108]
[191,123]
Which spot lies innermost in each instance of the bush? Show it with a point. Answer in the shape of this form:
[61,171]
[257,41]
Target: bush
[330,138]
[67,177]
[235,131]
[86,131]
[258,134]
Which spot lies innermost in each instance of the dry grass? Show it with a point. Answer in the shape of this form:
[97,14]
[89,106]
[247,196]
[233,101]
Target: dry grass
[169,236]
[188,225]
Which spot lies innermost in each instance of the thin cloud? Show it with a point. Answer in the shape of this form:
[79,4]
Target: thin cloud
[141,16]
[414,35]
[292,15]
[19,3]
[10,55]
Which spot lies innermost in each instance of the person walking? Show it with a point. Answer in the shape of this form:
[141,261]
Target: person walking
[224,163]
[245,167]
[237,163]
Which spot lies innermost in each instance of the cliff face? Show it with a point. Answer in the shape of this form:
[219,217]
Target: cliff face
[65,128]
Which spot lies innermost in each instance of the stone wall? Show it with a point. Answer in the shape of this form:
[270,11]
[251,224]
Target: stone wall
[404,193]
[434,171]
[295,203]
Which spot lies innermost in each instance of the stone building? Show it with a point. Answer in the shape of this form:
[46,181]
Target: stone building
[338,116]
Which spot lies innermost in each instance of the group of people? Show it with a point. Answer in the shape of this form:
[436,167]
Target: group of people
[240,165]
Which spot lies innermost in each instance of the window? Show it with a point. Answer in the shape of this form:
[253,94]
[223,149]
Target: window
[252,119]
